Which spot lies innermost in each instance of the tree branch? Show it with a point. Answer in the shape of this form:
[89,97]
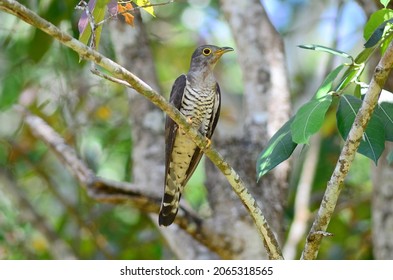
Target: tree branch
[264,77]
[347,155]
[111,191]
[20,11]
[302,200]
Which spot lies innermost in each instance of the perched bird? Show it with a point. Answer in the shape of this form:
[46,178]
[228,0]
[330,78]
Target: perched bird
[197,96]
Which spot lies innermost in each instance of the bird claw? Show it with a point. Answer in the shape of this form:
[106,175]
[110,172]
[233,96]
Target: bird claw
[189,120]
[209,142]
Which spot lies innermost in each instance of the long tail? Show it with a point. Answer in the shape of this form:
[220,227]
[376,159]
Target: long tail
[170,202]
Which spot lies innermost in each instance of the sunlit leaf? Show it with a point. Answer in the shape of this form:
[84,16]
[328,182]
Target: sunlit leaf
[364,55]
[375,30]
[97,9]
[326,86]
[385,3]
[326,49]
[387,37]
[309,119]
[146,5]
[375,21]
[373,141]
[279,148]
[350,76]
[83,23]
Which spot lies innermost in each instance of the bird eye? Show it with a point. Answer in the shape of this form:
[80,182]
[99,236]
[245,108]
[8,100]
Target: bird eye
[206,51]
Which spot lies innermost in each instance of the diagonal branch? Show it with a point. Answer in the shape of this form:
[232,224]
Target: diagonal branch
[116,192]
[347,155]
[119,72]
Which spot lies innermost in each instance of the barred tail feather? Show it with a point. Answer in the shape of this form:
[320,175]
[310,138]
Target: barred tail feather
[170,203]
[169,208]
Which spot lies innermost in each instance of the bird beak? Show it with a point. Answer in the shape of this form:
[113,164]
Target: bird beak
[223,50]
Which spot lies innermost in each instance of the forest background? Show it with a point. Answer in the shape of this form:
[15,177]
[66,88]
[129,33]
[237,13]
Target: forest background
[46,212]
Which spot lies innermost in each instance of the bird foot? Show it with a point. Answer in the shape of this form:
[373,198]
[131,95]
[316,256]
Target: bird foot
[209,142]
[189,120]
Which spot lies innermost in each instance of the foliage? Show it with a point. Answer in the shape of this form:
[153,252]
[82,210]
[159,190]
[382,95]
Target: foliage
[91,116]
[309,118]
[93,17]
[373,142]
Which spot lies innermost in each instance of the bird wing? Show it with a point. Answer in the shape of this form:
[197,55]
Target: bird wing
[212,126]
[216,113]
[171,127]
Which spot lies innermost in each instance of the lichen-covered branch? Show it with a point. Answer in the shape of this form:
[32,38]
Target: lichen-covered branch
[347,155]
[111,191]
[119,72]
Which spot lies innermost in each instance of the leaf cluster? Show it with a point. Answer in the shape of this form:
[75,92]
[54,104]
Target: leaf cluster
[93,16]
[342,86]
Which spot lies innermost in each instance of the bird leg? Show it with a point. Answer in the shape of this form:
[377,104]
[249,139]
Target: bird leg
[209,142]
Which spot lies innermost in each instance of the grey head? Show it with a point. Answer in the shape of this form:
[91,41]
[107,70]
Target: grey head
[205,58]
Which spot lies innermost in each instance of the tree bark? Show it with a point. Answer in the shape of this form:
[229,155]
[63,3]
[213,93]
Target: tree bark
[147,154]
[382,178]
[382,208]
[261,58]
[147,129]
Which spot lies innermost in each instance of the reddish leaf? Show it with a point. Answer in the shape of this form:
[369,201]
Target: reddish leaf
[125,11]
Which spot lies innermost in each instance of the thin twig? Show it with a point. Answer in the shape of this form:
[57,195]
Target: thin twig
[82,5]
[131,10]
[347,155]
[301,207]
[20,11]
[95,71]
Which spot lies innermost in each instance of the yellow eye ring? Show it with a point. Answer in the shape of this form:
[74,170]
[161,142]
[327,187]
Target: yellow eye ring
[206,51]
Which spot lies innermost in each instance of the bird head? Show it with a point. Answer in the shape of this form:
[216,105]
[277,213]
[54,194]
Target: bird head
[207,56]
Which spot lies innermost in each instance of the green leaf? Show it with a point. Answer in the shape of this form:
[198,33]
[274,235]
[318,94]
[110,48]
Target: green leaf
[350,76]
[387,38]
[279,148]
[328,82]
[375,21]
[375,27]
[373,142]
[385,3]
[385,113]
[99,14]
[326,49]
[309,119]
[146,5]
[381,34]
[364,55]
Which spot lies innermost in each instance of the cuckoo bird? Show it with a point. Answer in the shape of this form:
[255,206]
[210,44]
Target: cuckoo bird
[197,96]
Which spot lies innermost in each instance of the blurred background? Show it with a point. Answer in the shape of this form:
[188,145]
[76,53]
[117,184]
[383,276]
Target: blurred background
[45,214]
